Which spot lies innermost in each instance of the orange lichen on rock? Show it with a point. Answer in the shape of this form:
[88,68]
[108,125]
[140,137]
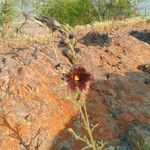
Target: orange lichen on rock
[32,90]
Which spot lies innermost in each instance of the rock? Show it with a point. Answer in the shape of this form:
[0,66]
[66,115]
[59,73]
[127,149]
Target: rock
[145,68]
[31,27]
[143,35]
[139,137]
[34,96]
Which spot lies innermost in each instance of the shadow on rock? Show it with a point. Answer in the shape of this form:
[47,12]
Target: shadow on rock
[143,35]
[95,38]
[121,106]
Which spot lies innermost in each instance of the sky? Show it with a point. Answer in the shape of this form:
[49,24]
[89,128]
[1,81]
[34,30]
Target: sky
[145,5]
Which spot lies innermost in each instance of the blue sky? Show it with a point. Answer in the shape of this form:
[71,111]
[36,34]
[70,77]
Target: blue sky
[145,5]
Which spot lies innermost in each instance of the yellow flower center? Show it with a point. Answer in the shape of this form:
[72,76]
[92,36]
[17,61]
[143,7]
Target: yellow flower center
[76,78]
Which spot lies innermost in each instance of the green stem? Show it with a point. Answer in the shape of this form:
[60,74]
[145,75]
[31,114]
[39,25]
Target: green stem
[85,120]
[88,127]
[56,54]
[73,52]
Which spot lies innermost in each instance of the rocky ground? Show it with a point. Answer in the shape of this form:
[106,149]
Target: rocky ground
[36,112]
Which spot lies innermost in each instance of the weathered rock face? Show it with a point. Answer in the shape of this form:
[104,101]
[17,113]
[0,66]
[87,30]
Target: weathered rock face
[31,27]
[26,93]
[33,96]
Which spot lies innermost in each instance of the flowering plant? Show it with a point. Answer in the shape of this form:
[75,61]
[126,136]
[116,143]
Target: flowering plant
[77,79]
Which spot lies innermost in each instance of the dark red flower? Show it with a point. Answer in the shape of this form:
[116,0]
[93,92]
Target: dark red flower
[77,78]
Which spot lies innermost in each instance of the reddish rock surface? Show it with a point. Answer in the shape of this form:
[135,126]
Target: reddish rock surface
[34,98]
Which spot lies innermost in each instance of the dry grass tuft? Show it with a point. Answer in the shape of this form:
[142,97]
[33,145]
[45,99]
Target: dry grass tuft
[110,26]
[26,40]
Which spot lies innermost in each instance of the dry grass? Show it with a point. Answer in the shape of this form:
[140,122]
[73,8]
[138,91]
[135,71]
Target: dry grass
[110,26]
[23,41]
[26,40]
